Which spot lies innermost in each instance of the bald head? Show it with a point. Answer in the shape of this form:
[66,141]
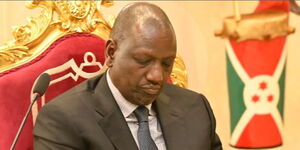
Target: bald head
[141,18]
[140,52]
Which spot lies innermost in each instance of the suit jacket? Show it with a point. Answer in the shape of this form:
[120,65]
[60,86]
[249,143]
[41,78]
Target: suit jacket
[88,118]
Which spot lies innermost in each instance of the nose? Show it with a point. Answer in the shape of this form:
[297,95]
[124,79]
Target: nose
[155,75]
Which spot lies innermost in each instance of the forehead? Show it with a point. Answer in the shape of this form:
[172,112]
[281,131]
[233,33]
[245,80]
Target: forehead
[152,28]
[149,36]
[152,35]
[158,45]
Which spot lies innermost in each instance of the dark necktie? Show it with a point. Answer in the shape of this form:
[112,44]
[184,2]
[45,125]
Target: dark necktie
[144,137]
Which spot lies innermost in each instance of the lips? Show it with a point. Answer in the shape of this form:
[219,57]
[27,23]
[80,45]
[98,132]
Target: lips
[151,91]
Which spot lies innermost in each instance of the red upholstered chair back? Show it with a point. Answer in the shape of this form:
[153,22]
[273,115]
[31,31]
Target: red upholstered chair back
[67,40]
[69,60]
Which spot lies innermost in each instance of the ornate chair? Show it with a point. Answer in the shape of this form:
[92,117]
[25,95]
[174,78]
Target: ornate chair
[69,48]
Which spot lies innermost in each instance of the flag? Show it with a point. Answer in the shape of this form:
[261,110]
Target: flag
[256,76]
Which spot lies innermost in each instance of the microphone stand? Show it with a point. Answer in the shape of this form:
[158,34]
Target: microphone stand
[35,97]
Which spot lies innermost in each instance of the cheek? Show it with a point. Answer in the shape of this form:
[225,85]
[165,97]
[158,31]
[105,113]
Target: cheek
[136,79]
[130,76]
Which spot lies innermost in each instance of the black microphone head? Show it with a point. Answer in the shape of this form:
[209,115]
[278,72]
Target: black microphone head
[42,84]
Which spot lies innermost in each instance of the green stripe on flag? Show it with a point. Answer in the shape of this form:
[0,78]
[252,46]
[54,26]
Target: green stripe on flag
[235,91]
[281,83]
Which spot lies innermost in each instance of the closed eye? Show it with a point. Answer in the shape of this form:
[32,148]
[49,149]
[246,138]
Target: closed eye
[142,61]
[168,63]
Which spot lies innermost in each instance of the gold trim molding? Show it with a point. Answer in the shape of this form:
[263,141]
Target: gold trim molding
[57,18]
[179,74]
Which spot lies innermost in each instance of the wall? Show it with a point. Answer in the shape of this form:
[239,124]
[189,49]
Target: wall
[203,53]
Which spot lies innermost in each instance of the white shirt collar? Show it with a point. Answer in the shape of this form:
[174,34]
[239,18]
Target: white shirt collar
[126,107]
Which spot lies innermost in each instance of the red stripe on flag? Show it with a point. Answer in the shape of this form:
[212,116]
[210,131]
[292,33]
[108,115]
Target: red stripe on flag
[263,129]
[259,57]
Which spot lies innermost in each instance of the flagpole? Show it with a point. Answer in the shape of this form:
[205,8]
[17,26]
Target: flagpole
[237,14]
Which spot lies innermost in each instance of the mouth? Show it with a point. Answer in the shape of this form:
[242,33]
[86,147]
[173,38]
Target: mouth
[151,91]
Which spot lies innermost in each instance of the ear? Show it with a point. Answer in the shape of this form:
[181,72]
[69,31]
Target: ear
[110,50]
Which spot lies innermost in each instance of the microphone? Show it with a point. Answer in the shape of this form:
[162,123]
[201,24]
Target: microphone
[39,90]
[41,86]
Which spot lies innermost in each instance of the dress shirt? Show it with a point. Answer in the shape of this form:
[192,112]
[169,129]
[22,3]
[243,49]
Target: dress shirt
[127,110]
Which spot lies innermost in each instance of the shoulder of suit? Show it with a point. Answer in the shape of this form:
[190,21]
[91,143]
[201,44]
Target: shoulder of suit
[182,93]
[174,89]
[73,93]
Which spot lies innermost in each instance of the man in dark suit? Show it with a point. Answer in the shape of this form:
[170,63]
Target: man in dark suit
[108,112]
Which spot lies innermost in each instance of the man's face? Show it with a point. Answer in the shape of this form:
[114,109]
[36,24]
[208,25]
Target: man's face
[140,64]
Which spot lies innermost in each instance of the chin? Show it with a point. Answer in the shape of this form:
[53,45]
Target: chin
[143,99]
[147,101]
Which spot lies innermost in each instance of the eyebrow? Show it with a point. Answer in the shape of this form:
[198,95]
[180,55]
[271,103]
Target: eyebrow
[149,55]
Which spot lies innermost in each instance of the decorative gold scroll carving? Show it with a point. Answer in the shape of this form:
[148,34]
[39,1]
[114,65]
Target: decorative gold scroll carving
[72,17]
[179,74]
[256,26]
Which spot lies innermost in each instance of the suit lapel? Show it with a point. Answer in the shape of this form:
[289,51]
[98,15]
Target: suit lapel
[172,124]
[110,117]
